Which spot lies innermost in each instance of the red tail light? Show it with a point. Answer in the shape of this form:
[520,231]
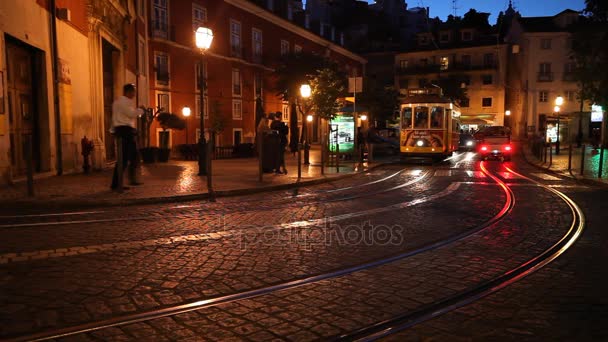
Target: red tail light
[484,148]
[507,147]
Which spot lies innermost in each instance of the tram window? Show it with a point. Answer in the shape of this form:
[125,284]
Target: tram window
[406,117]
[421,117]
[437,117]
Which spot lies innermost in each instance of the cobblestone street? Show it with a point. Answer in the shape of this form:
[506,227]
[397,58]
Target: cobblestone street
[353,258]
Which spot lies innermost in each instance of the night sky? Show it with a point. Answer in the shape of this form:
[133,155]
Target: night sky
[527,8]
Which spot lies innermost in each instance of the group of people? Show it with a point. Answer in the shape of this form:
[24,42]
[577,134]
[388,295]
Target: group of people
[274,142]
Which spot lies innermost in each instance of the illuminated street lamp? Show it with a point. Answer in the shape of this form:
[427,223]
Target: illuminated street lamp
[507,112]
[305,92]
[507,121]
[558,102]
[363,117]
[186,114]
[203,38]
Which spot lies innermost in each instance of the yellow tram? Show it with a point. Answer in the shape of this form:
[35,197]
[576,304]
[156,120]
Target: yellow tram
[430,125]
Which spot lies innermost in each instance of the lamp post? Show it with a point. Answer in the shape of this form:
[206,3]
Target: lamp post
[558,102]
[203,39]
[186,114]
[305,92]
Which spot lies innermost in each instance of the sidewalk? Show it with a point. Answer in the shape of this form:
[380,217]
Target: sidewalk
[175,180]
[559,163]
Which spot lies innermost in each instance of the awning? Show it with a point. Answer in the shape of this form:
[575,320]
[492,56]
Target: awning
[473,121]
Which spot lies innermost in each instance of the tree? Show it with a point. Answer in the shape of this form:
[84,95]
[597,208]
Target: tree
[380,101]
[326,86]
[296,69]
[452,88]
[589,53]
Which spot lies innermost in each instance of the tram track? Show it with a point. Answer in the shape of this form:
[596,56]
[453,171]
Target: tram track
[201,304]
[406,320]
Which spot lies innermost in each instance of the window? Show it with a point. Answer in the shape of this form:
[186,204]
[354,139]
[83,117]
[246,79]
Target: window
[284,47]
[569,67]
[488,59]
[570,95]
[421,117]
[197,107]
[160,19]
[199,16]
[486,102]
[486,79]
[235,38]
[406,118]
[285,111]
[142,65]
[197,74]
[444,63]
[161,62]
[270,5]
[466,60]
[545,43]
[543,96]
[259,84]
[437,117]
[403,64]
[544,68]
[467,36]
[444,37]
[256,36]
[297,48]
[162,101]
[404,83]
[237,136]
[289,12]
[237,110]
[236,82]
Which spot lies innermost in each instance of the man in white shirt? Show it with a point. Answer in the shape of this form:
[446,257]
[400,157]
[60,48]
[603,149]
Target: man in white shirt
[124,125]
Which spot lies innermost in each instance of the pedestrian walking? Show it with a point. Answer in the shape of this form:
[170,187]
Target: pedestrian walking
[282,129]
[124,127]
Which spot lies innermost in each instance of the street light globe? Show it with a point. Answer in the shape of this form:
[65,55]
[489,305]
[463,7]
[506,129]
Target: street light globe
[559,101]
[309,118]
[186,111]
[363,117]
[556,109]
[507,112]
[305,90]
[203,37]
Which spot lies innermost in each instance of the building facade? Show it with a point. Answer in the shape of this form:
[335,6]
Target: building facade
[473,60]
[63,64]
[542,70]
[249,41]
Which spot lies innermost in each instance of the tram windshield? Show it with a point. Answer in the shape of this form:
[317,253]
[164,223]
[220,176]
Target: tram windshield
[406,118]
[421,119]
[437,117]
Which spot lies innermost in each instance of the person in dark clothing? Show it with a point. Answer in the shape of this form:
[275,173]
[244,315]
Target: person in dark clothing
[283,131]
[124,116]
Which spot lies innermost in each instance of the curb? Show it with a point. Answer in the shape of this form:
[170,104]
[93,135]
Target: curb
[579,179]
[80,204]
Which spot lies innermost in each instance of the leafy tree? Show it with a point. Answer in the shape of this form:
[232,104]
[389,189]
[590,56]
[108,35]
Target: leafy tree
[296,69]
[381,101]
[452,87]
[326,86]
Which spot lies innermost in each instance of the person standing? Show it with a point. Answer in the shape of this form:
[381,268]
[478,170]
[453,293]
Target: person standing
[124,126]
[279,126]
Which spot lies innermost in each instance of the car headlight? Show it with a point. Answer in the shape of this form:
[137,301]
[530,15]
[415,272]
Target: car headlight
[469,143]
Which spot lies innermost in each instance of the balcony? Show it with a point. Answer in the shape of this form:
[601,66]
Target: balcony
[417,70]
[436,68]
[545,77]
[162,31]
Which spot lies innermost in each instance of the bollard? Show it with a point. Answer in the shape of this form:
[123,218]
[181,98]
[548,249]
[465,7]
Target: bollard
[550,156]
[119,162]
[209,173]
[601,167]
[299,161]
[570,158]
[337,157]
[29,165]
[582,159]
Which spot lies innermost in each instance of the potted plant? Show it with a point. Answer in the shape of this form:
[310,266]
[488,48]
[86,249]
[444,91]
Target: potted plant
[167,121]
[148,153]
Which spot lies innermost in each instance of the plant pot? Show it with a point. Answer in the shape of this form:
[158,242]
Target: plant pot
[163,155]
[148,154]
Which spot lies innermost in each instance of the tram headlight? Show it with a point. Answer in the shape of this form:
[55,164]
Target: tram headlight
[420,143]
